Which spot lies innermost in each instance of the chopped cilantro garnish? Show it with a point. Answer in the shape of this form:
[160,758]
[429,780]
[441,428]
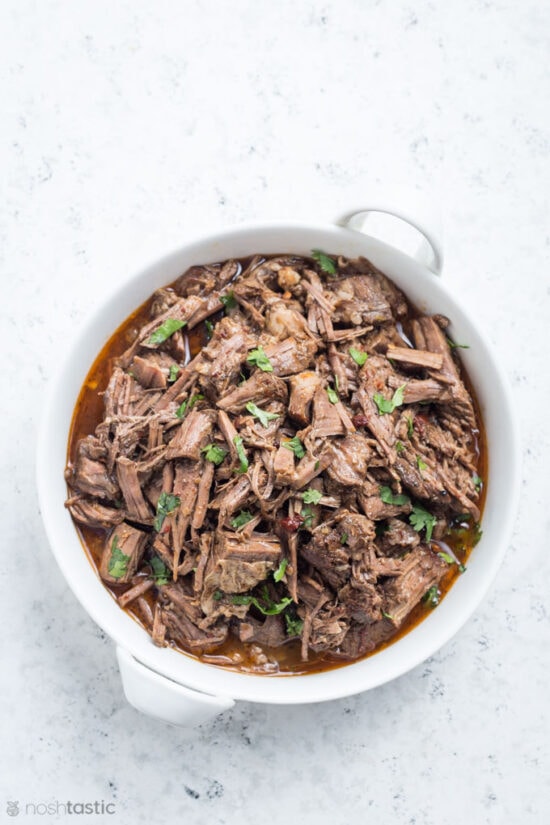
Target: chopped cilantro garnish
[358,356]
[214,453]
[389,498]
[166,504]
[326,264]
[241,519]
[452,345]
[410,428]
[263,416]
[238,442]
[332,395]
[421,464]
[173,374]
[295,445]
[165,330]
[260,359]
[280,571]
[118,563]
[420,519]
[294,626]
[188,405]
[161,573]
[344,538]
[385,406]
[399,447]
[312,496]
[432,596]
[228,300]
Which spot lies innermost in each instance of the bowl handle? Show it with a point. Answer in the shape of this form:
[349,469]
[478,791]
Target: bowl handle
[157,696]
[414,209]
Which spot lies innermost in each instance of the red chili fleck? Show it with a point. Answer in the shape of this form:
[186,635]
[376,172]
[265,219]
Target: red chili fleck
[292,523]
[419,424]
[359,420]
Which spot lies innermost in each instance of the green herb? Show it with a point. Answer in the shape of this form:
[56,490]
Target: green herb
[344,538]
[420,518]
[478,483]
[389,498]
[399,447]
[118,563]
[228,300]
[478,532]
[385,406]
[358,356]
[410,428]
[316,465]
[307,515]
[462,568]
[173,374]
[387,615]
[243,378]
[165,330]
[209,329]
[312,496]
[294,626]
[217,595]
[161,573]
[188,405]
[166,504]
[241,519]
[295,445]
[326,264]
[280,571]
[238,442]
[263,416]
[268,608]
[332,395]
[214,453]
[421,464]
[260,359]
[446,557]
[432,596]
[452,345]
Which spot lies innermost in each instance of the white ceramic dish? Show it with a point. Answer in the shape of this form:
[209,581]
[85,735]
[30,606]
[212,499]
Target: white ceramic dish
[177,688]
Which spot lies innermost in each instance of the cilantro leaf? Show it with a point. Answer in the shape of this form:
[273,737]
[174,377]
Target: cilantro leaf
[280,571]
[173,374]
[166,504]
[188,405]
[332,395]
[260,359]
[344,539]
[358,356]
[241,519]
[228,300]
[420,519]
[385,406]
[214,453]
[209,326]
[161,573]
[217,595]
[295,445]
[160,335]
[446,557]
[410,428]
[452,345]
[294,626]
[263,416]
[389,498]
[399,447]
[307,515]
[270,608]
[421,464]
[238,442]
[326,264]
[118,563]
[432,596]
[312,496]
[478,483]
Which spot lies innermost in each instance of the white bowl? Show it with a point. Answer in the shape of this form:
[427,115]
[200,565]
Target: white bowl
[175,687]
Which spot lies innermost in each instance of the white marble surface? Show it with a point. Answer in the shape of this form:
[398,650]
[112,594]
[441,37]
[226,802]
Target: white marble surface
[127,126]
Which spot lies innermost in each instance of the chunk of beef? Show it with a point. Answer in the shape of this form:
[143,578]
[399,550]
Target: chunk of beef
[260,388]
[359,300]
[363,638]
[269,633]
[89,475]
[291,355]
[91,513]
[149,372]
[194,433]
[326,420]
[349,459]
[302,389]
[284,320]
[122,553]
[403,592]
[223,357]
[398,538]
[415,357]
[136,505]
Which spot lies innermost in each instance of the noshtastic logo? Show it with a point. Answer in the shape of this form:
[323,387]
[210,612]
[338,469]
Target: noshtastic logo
[55,808]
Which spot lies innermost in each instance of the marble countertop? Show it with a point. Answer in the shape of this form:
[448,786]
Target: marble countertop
[129,126]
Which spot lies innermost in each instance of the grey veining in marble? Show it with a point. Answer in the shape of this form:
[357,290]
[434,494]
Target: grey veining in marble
[129,126]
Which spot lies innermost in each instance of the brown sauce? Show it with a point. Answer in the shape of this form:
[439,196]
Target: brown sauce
[232,653]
